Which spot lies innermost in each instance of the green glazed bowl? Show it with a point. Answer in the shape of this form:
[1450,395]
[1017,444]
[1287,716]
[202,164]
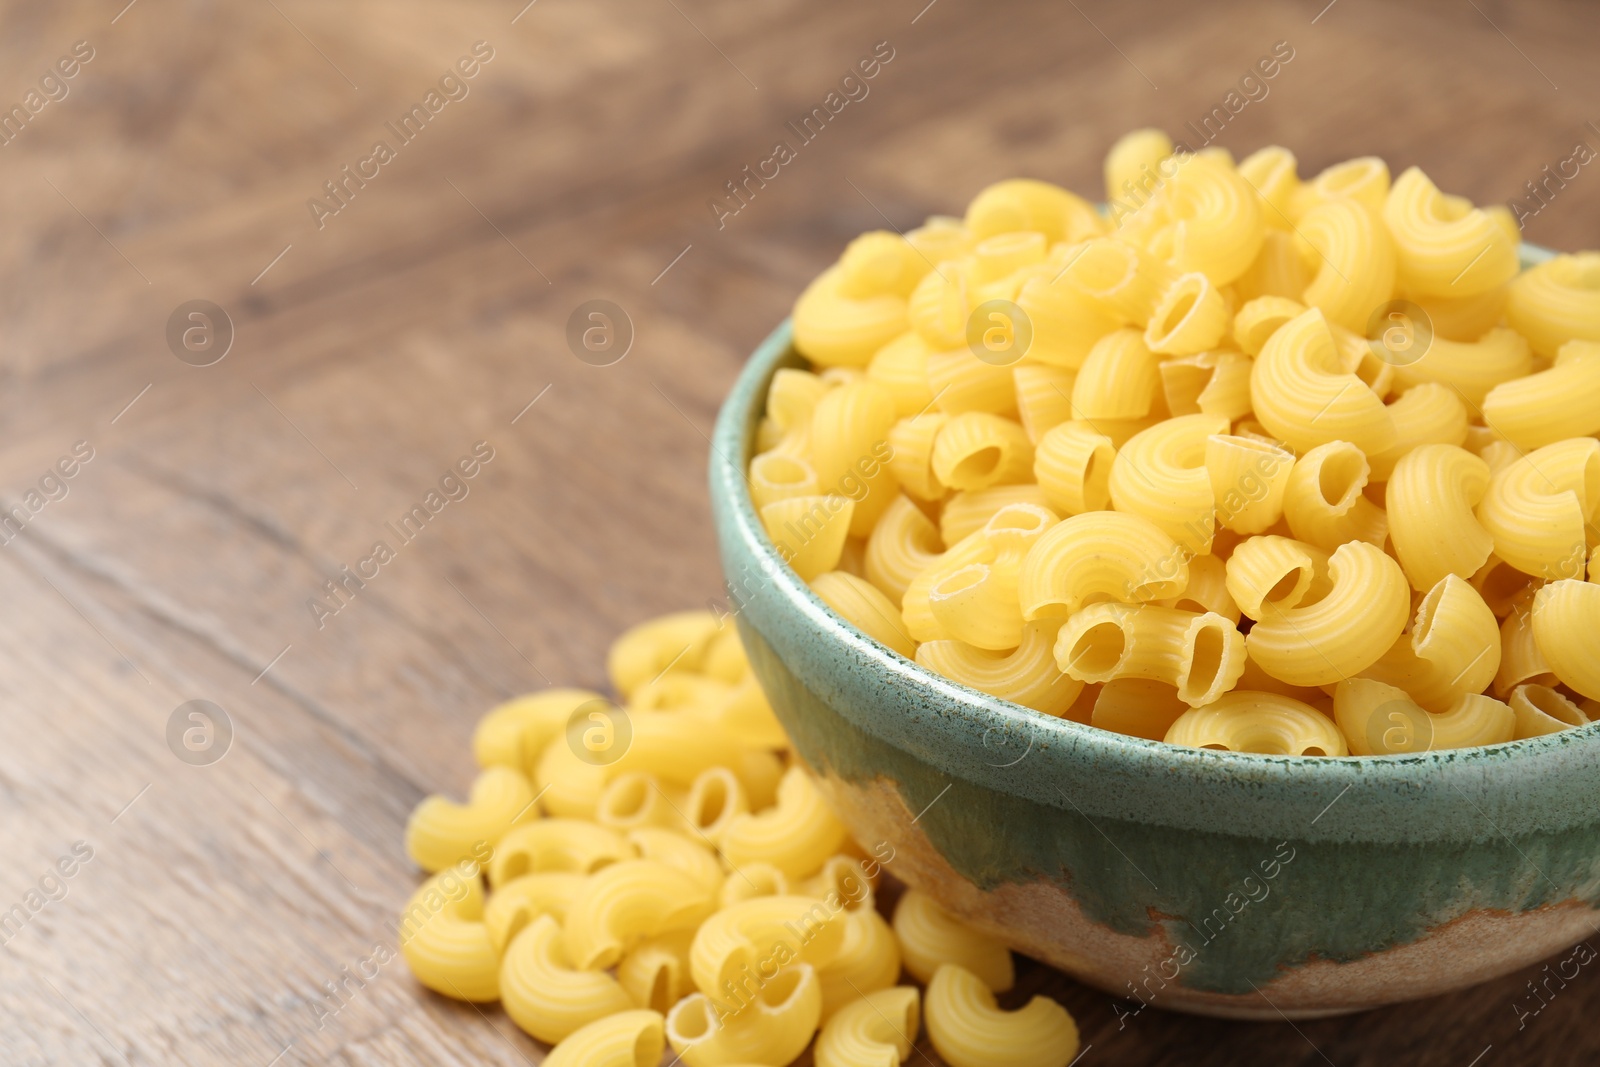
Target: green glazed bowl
[1212,882]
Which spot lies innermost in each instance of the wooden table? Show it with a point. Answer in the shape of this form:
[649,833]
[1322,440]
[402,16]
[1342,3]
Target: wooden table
[373,347]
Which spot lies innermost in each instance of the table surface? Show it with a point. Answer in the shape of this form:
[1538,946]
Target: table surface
[373,347]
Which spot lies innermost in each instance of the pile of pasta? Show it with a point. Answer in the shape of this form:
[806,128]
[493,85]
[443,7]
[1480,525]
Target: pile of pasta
[660,875]
[1245,462]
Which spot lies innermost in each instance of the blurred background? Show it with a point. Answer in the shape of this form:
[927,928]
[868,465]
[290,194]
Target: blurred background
[369,318]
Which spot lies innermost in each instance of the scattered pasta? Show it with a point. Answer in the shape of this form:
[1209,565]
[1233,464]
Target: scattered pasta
[703,899]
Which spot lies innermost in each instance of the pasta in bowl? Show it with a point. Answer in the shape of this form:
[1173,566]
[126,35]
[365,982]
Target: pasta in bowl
[1184,626]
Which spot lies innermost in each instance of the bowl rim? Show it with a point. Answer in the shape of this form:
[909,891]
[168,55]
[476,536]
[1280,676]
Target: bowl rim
[731,443]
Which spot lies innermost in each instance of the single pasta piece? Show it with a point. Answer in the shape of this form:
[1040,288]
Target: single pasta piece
[1444,246]
[1190,317]
[1201,655]
[441,832]
[915,607]
[1502,586]
[753,880]
[938,307]
[843,881]
[1307,392]
[1464,318]
[1538,509]
[1278,270]
[903,544]
[1354,260]
[1382,720]
[1520,659]
[901,366]
[874,1030]
[881,262]
[809,532]
[961,382]
[747,717]
[791,398]
[866,608]
[999,262]
[1364,180]
[1118,380]
[1026,204]
[1324,503]
[850,449]
[1044,397]
[930,937]
[627,1039]
[1260,318]
[1066,321]
[1207,590]
[629,902]
[655,972]
[1100,555]
[1542,710]
[545,994]
[1271,573]
[1072,465]
[633,800]
[969,1030]
[1160,474]
[1026,675]
[643,652]
[513,734]
[716,798]
[976,450]
[746,942]
[1566,627]
[1557,301]
[1430,499]
[1249,479]
[1271,171]
[1130,166]
[778,475]
[1346,631]
[520,901]
[1214,219]
[966,513]
[444,939]
[977,603]
[833,328]
[678,691]
[760,771]
[1453,649]
[1267,723]
[868,961]
[796,835]
[1551,405]
[1258,680]
[970,592]
[1426,414]
[1208,383]
[1471,367]
[1124,281]
[1137,707]
[940,238]
[771,1022]
[556,844]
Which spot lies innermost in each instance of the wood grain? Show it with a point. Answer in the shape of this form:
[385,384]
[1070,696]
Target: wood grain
[424,317]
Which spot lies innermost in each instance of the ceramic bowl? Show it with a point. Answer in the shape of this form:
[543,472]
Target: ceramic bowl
[1213,882]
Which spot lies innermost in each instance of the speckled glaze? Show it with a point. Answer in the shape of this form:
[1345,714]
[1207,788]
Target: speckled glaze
[1213,882]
